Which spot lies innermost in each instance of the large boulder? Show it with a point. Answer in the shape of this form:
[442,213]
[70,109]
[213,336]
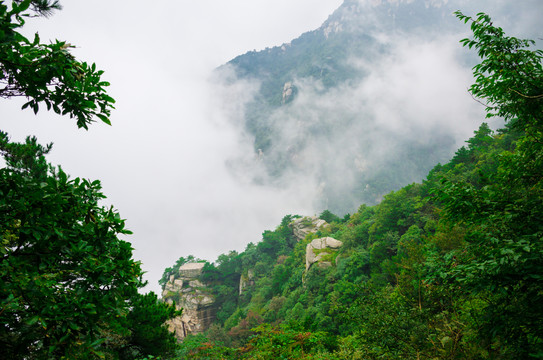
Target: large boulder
[319,251]
[305,225]
[174,285]
[288,91]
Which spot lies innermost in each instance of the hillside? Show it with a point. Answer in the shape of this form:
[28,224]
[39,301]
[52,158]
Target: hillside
[448,268]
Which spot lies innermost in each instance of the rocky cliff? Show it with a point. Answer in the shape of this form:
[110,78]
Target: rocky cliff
[238,279]
[186,292]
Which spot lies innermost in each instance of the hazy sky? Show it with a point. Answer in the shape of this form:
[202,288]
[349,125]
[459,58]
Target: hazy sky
[162,163]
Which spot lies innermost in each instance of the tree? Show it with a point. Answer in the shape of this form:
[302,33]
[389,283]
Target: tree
[48,73]
[145,333]
[68,283]
[503,261]
[509,76]
[64,273]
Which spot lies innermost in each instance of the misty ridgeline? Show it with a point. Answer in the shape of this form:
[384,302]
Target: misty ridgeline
[367,103]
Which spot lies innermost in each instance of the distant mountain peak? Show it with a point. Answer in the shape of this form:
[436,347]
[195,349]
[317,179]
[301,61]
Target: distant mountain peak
[368,16]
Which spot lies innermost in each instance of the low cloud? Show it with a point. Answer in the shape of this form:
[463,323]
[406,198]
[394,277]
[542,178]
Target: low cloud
[413,100]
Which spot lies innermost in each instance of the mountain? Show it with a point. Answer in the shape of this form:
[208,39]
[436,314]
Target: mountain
[447,268]
[403,279]
[314,113]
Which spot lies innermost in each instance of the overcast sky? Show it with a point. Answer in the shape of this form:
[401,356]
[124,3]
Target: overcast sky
[162,163]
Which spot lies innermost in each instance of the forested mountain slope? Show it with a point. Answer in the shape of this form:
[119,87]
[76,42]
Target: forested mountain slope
[449,268]
[323,109]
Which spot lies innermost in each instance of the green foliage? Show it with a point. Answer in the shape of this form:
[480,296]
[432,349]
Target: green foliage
[244,329]
[146,332]
[200,347]
[327,216]
[68,284]
[502,212]
[509,76]
[270,343]
[64,273]
[280,275]
[223,280]
[47,73]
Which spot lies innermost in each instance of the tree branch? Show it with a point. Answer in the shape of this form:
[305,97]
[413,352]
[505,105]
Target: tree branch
[526,96]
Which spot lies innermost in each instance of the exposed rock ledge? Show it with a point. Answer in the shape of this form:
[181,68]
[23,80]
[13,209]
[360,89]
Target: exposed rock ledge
[320,250]
[186,292]
[246,280]
[308,224]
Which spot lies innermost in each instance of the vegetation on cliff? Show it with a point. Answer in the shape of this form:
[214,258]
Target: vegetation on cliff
[449,268]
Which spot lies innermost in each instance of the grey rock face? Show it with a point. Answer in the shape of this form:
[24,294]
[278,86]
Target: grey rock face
[308,224]
[317,250]
[246,280]
[186,292]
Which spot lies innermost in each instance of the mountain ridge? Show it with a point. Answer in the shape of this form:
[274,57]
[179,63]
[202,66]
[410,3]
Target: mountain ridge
[297,138]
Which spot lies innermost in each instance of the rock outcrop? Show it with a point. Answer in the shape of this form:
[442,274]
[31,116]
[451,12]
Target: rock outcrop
[321,251]
[308,224]
[288,91]
[331,27]
[246,280]
[186,292]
